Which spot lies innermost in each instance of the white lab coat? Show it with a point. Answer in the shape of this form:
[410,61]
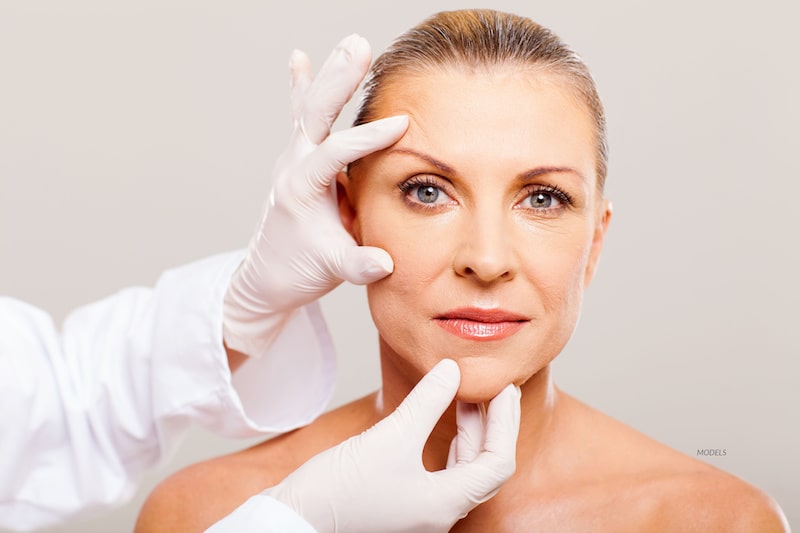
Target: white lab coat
[83,412]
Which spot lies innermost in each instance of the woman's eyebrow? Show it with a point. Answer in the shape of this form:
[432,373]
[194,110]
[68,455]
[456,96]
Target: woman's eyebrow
[538,171]
[425,157]
[529,174]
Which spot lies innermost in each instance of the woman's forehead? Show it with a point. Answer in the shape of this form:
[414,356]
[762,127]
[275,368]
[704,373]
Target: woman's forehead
[486,117]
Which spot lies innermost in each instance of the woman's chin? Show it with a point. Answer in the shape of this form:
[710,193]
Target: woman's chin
[472,396]
[480,387]
[483,378]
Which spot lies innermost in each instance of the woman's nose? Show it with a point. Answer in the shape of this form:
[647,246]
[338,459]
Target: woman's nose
[485,252]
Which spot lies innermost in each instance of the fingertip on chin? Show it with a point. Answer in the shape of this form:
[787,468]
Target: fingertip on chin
[483,390]
[448,368]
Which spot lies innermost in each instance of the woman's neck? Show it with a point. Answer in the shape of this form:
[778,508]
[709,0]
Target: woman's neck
[539,402]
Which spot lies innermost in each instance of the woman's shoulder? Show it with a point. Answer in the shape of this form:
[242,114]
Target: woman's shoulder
[669,490]
[195,497]
[679,502]
[709,499]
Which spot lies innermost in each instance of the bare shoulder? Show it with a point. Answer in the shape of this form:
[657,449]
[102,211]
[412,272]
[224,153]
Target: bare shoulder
[194,498]
[712,500]
[666,489]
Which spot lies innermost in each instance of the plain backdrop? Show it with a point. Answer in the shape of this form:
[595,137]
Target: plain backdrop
[137,136]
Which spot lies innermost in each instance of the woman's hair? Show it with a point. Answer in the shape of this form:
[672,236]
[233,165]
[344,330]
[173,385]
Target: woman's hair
[476,39]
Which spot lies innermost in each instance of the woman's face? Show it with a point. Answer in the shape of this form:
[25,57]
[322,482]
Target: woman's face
[490,209]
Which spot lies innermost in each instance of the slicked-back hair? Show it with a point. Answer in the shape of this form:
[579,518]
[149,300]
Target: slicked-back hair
[475,39]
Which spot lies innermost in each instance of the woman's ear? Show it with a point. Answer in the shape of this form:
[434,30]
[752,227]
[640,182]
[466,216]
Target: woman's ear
[347,210]
[600,229]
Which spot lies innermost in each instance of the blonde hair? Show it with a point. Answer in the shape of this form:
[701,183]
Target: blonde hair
[483,38]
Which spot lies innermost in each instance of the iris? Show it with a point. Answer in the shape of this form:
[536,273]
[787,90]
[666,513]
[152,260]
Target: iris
[541,200]
[428,194]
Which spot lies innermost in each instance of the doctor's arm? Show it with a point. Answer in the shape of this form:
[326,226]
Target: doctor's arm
[87,408]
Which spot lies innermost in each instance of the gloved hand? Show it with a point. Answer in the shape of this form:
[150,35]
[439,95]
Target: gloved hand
[300,251]
[376,481]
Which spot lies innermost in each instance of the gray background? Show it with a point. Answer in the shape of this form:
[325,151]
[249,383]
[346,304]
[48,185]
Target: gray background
[139,136]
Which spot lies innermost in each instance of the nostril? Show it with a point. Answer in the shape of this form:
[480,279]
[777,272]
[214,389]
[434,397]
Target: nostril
[469,270]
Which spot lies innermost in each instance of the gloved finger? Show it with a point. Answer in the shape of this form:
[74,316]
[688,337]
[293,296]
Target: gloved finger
[418,414]
[333,86]
[466,428]
[364,264]
[300,77]
[344,147]
[480,479]
[502,422]
[471,430]
[451,454]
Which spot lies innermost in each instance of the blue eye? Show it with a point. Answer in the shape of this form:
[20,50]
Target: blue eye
[542,200]
[427,194]
[549,199]
[425,191]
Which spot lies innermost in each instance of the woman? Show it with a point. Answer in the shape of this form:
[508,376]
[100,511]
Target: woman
[492,207]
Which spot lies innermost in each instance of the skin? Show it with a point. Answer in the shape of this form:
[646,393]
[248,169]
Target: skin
[481,243]
[235,358]
[491,142]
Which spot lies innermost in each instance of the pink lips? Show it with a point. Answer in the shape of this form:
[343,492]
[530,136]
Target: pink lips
[473,323]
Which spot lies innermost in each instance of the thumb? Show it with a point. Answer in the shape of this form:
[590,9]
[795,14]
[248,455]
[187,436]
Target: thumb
[471,432]
[364,264]
[502,424]
[481,478]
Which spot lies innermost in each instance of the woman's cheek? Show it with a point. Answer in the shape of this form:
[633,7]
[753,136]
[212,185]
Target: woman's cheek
[418,245]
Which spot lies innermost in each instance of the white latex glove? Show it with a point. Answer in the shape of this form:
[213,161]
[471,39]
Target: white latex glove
[300,251]
[376,481]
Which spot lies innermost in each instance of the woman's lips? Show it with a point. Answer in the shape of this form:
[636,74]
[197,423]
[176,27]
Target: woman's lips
[481,324]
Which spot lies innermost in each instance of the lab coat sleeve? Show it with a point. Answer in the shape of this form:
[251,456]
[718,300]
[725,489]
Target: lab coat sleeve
[86,410]
[262,514]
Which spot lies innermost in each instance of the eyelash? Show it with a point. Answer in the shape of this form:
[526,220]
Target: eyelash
[420,181]
[560,194]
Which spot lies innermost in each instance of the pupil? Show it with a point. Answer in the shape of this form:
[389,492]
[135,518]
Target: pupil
[541,200]
[428,194]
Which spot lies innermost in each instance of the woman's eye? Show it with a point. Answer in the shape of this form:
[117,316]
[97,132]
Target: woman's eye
[547,200]
[427,194]
[544,200]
